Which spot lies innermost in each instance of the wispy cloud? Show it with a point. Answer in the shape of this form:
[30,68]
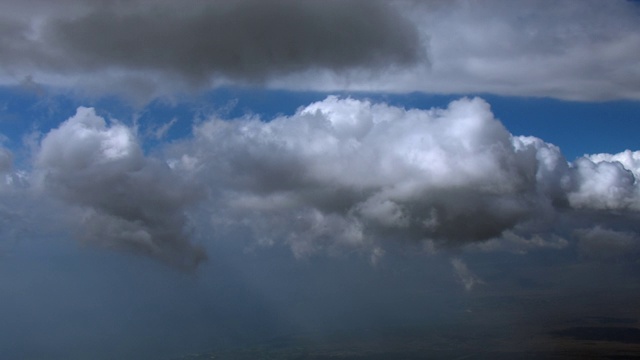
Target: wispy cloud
[245,41]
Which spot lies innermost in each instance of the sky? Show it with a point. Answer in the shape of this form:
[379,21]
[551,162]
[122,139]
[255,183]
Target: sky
[179,178]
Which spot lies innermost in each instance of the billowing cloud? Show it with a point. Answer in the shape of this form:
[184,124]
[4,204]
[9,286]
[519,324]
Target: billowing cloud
[517,244]
[630,160]
[344,170]
[340,175]
[604,185]
[580,50]
[350,173]
[126,200]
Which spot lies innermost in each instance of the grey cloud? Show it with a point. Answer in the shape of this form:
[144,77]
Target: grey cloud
[604,185]
[14,42]
[604,244]
[468,279]
[578,50]
[340,175]
[6,160]
[244,40]
[346,169]
[127,201]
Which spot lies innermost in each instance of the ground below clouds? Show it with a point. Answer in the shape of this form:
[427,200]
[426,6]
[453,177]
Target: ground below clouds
[526,331]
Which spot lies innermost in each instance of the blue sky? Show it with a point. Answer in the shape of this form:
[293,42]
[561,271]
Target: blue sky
[186,179]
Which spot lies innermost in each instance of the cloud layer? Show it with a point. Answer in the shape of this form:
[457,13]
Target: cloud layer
[582,50]
[338,176]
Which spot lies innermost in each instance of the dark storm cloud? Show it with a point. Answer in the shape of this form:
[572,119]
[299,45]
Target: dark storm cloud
[246,40]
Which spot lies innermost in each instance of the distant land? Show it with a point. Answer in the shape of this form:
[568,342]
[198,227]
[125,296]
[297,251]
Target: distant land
[594,338]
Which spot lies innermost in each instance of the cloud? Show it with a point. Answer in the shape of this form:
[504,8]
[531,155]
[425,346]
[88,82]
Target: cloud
[351,174]
[343,170]
[161,131]
[465,276]
[126,200]
[245,41]
[604,185]
[514,243]
[339,176]
[578,50]
[6,160]
[608,245]
[630,160]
